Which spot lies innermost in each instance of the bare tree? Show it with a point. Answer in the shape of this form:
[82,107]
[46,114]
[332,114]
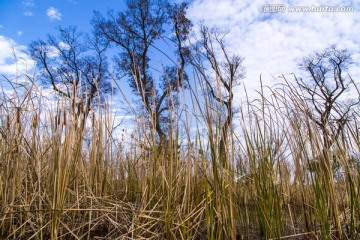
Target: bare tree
[134,33]
[324,87]
[73,61]
[225,74]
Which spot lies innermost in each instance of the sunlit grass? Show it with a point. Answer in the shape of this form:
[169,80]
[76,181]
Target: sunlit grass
[66,177]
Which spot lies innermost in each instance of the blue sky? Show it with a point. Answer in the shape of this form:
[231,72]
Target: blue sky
[24,21]
[28,20]
[271,43]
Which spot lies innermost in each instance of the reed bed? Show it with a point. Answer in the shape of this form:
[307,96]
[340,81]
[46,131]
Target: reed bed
[68,175]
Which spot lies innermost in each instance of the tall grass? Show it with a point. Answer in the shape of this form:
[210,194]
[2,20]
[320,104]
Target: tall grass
[65,175]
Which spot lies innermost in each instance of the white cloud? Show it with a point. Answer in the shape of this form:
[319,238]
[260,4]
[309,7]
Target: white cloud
[28,13]
[28,3]
[272,43]
[13,59]
[19,33]
[51,51]
[53,14]
[64,46]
